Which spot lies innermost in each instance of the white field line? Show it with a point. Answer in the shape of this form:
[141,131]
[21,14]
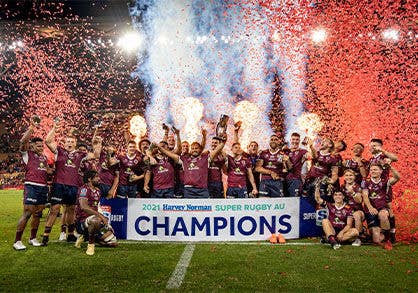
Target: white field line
[217,242]
[179,272]
[208,242]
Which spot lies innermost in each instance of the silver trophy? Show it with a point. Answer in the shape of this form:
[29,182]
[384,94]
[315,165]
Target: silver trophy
[57,119]
[221,127]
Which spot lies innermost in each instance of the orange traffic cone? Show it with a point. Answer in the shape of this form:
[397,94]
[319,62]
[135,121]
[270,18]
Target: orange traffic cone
[273,238]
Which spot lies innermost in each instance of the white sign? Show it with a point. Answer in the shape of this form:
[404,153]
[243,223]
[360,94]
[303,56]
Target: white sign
[212,219]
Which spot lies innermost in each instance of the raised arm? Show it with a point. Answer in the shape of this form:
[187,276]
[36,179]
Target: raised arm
[318,198]
[395,176]
[204,136]
[168,153]
[334,174]
[97,144]
[237,127]
[23,144]
[314,152]
[166,130]
[391,156]
[217,150]
[50,138]
[176,132]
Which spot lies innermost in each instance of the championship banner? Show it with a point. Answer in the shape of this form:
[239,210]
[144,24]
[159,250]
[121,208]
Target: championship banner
[212,219]
[116,211]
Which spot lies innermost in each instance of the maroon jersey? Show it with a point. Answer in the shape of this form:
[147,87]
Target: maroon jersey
[163,173]
[379,192]
[272,162]
[85,165]
[237,171]
[35,168]
[338,216]
[195,170]
[93,197]
[378,159]
[215,169]
[296,158]
[321,166]
[128,166]
[353,165]
[106,173]
[349,196]
[67,166]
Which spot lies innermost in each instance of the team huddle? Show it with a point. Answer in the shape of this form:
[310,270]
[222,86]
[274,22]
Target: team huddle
[80,175]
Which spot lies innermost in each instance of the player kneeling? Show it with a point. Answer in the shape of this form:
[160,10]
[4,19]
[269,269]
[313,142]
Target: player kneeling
[91,224]
[338,227]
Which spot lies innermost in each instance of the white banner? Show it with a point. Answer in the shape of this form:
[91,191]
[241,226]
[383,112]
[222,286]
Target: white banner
[212,219]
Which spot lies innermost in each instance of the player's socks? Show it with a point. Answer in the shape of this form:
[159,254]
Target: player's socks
[33,233]
[71,237]
[45,237]
[18,236]
[386,233]
[392,229]
[64,228]
[331,240]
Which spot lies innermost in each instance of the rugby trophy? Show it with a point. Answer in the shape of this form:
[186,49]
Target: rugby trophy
[221,127]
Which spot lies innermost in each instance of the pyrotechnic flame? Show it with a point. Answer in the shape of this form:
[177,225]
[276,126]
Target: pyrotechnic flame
[190,111]
[311,123]
[247,113]
[138,127]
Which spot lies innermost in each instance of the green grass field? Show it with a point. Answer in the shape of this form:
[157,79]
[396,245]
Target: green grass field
[233,267]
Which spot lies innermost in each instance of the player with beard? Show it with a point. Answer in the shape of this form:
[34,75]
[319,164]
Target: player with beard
[297,157]
[272,165]
[65,183]
[178,169]
[35,186]
[215,185]
[162,173]
[357,163]
[376,196]
[353,196]
[195,166]
[324,168]
[238,170]
[89,220]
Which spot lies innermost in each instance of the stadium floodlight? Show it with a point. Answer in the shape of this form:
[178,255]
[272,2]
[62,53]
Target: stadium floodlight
[319,35]
[131,41]
[390,34]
